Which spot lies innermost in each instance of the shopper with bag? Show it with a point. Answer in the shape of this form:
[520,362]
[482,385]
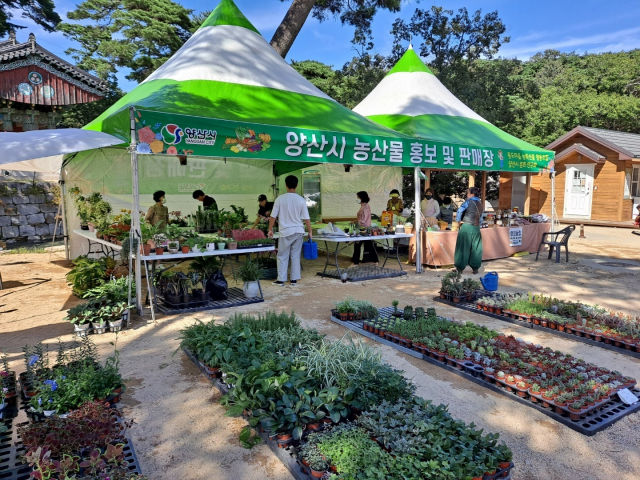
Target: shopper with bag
[291,211]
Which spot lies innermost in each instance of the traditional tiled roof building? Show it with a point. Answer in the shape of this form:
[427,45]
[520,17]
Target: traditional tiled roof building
[35,85]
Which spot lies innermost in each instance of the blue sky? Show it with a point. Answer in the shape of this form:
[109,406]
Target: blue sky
[587,26]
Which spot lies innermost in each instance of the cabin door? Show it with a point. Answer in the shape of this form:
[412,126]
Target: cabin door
[578,190]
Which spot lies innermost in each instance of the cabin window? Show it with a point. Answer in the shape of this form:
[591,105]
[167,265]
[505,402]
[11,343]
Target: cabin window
[635,181]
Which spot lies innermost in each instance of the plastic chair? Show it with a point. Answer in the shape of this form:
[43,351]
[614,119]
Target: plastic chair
[558,240]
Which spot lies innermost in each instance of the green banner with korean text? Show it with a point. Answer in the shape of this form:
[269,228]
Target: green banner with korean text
[171,134]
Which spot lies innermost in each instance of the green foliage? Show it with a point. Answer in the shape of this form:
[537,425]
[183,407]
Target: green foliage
[249,271]
[25,250]
[80,114]
[90,208]
[88,273]
[41,12]
[268,322]
[140,36]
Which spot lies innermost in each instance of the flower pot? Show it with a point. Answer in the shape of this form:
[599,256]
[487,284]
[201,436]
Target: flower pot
[91,227]
[251,289]
[159,250]
[316,474]
[221,245]
[99,327]
[146,249]
[115,325]
[314,427]
[48,413]
[185,248]
[283,439]
[233,245]
[81,330]
[211,247]
[173,247]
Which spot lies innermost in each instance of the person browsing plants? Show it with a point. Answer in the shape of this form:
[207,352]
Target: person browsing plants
[264,209]
[291,211]
[208,203]
[364,221]
[469,241]
[158,214]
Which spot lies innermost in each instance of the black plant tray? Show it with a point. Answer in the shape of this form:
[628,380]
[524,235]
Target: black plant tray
[363,272]
[472,307]
[607,415]
[12,450]
[235,298]
[285,455]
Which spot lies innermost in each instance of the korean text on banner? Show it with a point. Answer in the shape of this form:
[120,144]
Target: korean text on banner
[171,134]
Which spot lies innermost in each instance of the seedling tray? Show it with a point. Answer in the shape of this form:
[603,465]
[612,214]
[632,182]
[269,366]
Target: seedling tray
[363,272]
[235,298]
[285,455]
[471,306]
[609,413]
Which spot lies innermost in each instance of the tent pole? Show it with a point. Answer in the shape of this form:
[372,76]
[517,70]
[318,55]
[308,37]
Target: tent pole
[553,199]
[136,239]
[418,218]
[63,201]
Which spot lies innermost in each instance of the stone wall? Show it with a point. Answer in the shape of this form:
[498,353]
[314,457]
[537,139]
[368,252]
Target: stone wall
[28,211]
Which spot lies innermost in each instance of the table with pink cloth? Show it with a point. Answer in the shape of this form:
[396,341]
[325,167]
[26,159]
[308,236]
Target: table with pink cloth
[438,247]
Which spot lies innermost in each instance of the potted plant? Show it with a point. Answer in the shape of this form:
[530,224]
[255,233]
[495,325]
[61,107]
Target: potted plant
[78,317]
[250,273]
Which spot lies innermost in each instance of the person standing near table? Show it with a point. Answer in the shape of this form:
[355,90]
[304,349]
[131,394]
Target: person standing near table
[395,203]
[364,220]
[208,203]
[430,208]
[446,210]
[469,241]
[264,210]
[291,211]
[158,214]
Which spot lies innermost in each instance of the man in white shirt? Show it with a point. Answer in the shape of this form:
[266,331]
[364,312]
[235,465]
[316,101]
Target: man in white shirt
[291,211]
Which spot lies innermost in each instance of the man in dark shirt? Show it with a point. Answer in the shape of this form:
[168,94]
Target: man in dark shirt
[264,209]
[208,202]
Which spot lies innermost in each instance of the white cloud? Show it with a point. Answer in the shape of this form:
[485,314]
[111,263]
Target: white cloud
[627,38]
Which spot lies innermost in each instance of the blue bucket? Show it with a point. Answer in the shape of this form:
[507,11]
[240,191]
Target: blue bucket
[310,250]
[490,281]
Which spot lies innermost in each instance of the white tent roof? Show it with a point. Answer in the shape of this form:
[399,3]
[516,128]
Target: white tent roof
[20,149]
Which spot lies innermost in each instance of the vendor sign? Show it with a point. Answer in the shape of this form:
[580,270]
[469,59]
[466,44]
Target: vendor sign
[515,236]
[173,134]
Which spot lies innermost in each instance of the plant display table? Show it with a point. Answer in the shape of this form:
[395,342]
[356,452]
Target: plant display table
[236,296]
[569,328]
[605,410]
[364,271]
[98,245]
[438,247]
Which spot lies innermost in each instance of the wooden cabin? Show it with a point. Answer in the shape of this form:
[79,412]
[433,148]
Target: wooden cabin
[597,178]
[35,85]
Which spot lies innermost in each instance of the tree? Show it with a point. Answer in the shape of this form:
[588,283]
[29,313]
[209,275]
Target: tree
[40,11]
[78,115]
[451,42]
[137,35]
[357,13]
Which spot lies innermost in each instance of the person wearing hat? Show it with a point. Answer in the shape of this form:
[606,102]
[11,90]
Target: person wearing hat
[395,203]
[264,209]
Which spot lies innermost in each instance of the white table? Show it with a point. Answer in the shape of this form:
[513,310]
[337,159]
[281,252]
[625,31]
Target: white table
[153,259]
[342,241]
[106,248]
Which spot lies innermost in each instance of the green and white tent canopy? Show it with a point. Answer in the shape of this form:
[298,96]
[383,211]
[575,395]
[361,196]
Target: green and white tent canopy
[227,93]
[411,100]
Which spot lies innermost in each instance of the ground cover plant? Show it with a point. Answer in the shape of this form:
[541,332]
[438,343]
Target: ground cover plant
[76,378]
[578,318]
[290,381]
[539,373]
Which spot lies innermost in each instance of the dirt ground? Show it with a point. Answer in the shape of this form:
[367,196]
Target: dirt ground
[181,430]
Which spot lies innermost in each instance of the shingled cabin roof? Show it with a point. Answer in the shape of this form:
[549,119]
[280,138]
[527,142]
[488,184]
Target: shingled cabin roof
[11,51]
[626,144]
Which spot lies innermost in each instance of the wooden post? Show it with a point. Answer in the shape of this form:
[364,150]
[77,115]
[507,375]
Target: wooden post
[427,179]
[483,194]
[472,179]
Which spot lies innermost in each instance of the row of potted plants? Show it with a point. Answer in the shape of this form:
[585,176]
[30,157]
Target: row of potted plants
[592,321]
[570,385]
[455,289]
[289,382]
[76,378]
[351,309]
[105,307]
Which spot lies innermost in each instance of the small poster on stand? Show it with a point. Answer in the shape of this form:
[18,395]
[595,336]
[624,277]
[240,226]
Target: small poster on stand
[515,236]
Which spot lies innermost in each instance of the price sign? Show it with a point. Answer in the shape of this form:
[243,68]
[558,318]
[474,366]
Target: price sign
[627,396]
[515,237]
